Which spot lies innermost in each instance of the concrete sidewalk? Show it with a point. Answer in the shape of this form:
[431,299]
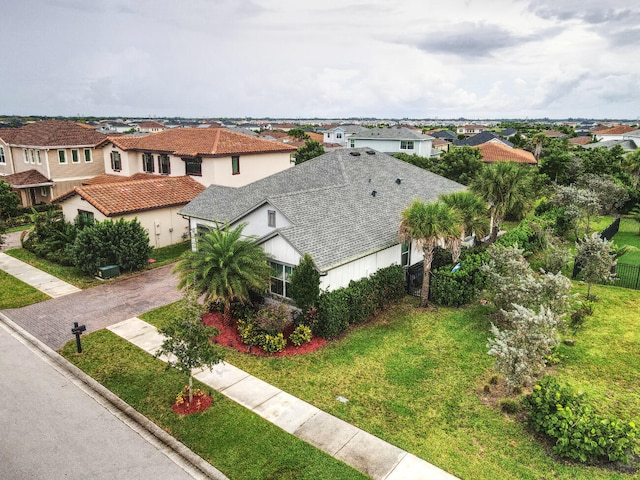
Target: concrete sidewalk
[357,448]
[44,282]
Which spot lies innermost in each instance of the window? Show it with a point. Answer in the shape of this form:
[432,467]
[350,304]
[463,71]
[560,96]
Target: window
[85,218]
[280,278]
[62,156]
[87,155]
[352,143]
[116,162]
[26,155]
[44,191]
[33,157]
[164,165]
[405,254]
[147,162]
[235,165]
[2,159]
[193,166]
[338,135]
[271,218]
[38,159]
[406,144]
[75,156]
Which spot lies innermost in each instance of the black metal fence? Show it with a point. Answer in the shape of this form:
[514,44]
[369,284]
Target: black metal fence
[414,277]
[628,276]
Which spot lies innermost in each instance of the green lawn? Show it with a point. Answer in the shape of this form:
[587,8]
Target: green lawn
[628,235]
[236,441]
[15,293]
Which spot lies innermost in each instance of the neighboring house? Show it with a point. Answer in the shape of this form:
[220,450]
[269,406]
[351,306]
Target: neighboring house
[44,159]
[480,138]
[209,155]
[508,132]
[343,208]
[468,130]
[615,133]
[441,145]
[393,140]
[581,140]
[493,152]
[116,127]
[154,201]
[150,127]
[341,133]
[553,134]
[447,135]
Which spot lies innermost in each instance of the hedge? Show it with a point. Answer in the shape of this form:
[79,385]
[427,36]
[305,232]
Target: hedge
[358,302]
[461,287]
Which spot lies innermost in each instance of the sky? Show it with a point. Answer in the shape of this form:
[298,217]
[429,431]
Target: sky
[328,58]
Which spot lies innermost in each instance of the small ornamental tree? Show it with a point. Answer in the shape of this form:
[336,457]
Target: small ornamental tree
[310,149]
[305,284]
[596,258]
[9,201]
[188,341]
[521,350]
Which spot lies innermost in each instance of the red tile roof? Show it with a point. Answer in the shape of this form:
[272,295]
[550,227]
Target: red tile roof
[52,133]
[619,130]
[192,142]
[553,134]
[113,199]
[151,125]
[582,140]
[25,179]
[499,152]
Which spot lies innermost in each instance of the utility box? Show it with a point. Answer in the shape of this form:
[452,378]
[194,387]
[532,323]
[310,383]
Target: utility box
[108,271]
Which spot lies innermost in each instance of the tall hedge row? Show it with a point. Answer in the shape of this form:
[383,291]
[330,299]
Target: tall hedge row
[358,302]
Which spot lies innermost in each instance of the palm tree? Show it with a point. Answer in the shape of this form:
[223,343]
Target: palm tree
[427,225]
[503,185]
[472,209]
[631,164]
[538,141]
[226,267]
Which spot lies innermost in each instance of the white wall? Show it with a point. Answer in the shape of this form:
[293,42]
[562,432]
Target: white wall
[218,171]
[258,221]
[281,251]
[421,147]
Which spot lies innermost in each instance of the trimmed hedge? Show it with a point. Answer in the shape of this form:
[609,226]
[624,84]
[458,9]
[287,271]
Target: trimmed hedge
[358,302]
[461,287]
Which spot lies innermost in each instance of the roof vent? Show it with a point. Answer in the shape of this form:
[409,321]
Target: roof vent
[373,194]
[355,154]
[370,152]
[398,181]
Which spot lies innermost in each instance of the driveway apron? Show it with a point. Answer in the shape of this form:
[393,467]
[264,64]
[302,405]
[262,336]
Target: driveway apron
[98,307]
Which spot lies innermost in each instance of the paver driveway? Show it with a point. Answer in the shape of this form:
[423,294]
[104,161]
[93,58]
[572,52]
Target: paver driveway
[97,307]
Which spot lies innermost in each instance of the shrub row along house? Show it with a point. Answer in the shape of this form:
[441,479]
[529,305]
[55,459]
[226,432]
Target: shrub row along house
[343,208]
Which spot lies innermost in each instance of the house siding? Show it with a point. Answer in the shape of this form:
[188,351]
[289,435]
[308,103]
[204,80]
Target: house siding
[421,147]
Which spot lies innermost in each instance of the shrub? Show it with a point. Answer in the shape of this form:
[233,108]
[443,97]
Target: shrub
[364,300]
[460,287]
[249,333]
[579,433]
[579,314]
[333,313]
[390,284]
[273,318]
[272,343]
[305,284]
[509,405]
[300,335]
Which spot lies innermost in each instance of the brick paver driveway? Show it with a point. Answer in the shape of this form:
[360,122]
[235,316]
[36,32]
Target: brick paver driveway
[97,307]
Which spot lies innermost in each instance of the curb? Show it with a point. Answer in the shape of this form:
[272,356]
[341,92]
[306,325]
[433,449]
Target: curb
[165,443]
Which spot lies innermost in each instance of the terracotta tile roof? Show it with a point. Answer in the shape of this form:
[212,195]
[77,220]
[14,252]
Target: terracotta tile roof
[582,140]
[619,130]
[208,142]
[553,134]
[28,178]
[150,125]
[109,178]
[316,136]
[113,199]
[498,152]
[53,133]
[439,141]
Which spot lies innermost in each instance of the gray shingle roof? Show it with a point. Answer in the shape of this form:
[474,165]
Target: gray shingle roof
[328,200]
[393,133]
[480,138]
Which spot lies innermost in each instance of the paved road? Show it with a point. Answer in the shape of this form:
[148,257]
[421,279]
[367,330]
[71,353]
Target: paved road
[97,307]
[53,429]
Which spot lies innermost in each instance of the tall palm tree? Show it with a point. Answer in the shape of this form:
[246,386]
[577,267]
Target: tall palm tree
[504,186]
[427,225]
[226,267]
[472,209]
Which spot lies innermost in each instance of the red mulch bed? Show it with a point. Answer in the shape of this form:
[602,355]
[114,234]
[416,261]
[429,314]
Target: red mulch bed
[230,337]
[200,404]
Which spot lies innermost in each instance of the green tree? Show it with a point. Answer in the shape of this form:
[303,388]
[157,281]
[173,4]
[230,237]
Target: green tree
[225,267]
[9,201]
[298,133]
[559,164]
[425,163]
[472,209]
[305,284]
[635,215]
[631,165]
[504,187]
[596,258]
[461,164]
[427,225]
[310,149]
[187,342]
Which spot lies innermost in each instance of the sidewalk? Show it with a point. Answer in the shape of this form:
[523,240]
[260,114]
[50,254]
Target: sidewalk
[44,282]
[357,448]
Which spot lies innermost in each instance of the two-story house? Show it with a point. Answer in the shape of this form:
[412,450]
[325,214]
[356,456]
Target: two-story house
[393,140]
[341,133]
[44,159]
[208,155]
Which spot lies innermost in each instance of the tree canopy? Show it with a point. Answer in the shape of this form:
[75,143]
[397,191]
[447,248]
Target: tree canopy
[310,149]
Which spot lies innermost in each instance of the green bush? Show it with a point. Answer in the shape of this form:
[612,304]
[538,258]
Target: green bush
[579,314]
[272,343]
[530,235]
[509,405]
[249,333]
[273,318]
[460,287]
[358,302]
[579,433]
[300,335]
[305,284]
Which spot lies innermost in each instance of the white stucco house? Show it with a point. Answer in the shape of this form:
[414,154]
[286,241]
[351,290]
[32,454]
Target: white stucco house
[341,133]
[343,208]
[393,140]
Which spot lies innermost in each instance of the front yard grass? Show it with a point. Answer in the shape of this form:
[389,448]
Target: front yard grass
[15,293]
[236,441]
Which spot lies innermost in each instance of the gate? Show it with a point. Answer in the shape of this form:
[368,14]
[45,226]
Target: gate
[414,276]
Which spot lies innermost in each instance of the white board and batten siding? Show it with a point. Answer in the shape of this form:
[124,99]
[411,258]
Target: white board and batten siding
[281,251]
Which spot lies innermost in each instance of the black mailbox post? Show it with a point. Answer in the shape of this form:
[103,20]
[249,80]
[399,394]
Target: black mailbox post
[77,330]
